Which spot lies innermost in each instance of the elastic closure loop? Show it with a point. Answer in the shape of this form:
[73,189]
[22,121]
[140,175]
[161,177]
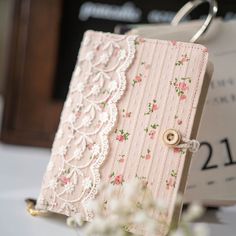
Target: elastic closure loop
[192,145]
[173,138]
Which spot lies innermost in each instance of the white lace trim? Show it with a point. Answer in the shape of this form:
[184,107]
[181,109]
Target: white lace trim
[104,133]
[90,107]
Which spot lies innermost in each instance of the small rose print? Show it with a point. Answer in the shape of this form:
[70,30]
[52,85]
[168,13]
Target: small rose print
[142,178]
[181,86]
[102,105]
[154,126]
[152,106]
[147,156]
[179,150]
[173,173]
[126,114]
[89,146]
[78,114]
[121,159]
[139,41]
[64,180]
[121,135]
[138,79]
[116,179]
[152,134]
[184,58]
[173,42]
[105,202]
[179,122]
[136,42]
[151,130]
[66,171]
[182,97]
[145,65]
[171,181]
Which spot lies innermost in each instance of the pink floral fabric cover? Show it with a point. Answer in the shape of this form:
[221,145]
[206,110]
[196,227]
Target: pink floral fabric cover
[125,92]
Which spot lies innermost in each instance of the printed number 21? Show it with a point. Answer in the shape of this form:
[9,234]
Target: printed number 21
[207,164]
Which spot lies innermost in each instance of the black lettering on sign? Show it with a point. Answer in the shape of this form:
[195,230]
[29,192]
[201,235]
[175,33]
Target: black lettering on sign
[229,153]
[207,165]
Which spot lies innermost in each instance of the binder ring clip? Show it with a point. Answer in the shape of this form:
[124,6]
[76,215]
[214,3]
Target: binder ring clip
[189,7]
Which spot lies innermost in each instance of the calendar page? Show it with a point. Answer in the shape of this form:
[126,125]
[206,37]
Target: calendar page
[213,170]
[212,177]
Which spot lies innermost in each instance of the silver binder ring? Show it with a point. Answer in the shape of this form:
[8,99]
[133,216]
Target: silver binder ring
[189,7]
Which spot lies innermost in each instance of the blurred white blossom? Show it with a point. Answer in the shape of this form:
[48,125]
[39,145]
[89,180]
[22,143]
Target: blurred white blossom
[136,208]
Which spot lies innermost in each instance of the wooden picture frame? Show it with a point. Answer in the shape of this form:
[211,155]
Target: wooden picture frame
[31,115]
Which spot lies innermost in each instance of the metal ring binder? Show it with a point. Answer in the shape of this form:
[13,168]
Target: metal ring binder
[189,7]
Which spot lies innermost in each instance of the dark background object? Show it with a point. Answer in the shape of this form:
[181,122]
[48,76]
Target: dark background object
[44,42]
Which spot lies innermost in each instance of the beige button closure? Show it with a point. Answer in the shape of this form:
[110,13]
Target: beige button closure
[172,137]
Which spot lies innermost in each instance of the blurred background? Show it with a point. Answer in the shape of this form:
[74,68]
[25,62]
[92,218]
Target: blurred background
[39,42]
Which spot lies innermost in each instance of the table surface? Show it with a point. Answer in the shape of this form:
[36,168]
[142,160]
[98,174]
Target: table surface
[21,172]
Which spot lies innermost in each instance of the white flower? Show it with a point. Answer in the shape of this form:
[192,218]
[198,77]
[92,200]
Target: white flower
[95,149]
[95,89]
[93,205]
[124,211]
[77,71]
[78,153]
[80,87]
[69,187]
[71,118]
[200,229]
[140,217]
[178,232]
[87,183]
[62,150]
[161,205]
[50,166]
[89,56]
[122,54]
[71,222]
[114,205]
[79,219]
[131,189]
[104,58]
[103,117]
[112,86]
[53,184]
[194,211]
[86,122]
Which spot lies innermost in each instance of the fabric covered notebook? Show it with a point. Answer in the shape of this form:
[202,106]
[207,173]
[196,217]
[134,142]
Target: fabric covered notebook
[125,93]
